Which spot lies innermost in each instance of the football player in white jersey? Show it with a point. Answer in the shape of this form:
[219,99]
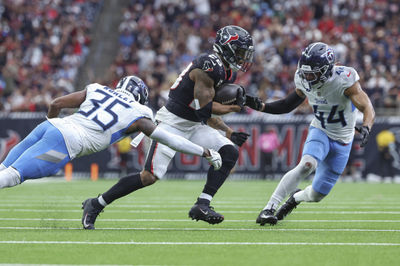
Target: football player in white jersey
[104,117]
[334,93]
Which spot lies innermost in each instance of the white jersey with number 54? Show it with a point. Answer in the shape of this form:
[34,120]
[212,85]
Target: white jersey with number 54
[101,120]
[334,112]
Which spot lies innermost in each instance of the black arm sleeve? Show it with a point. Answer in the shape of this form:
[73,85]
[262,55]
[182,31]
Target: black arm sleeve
[285,105]
[204,113]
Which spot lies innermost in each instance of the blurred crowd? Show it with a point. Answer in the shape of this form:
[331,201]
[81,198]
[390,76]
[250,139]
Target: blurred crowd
[43,43]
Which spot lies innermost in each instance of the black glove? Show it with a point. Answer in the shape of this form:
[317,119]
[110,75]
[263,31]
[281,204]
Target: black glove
[239,138]
[364,132]
[241,97]
[253,102]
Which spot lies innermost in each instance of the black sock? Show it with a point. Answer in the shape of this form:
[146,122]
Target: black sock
[125,185]
[215,179]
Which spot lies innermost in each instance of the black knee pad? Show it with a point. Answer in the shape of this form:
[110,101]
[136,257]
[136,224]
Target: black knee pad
[229,155]
[215,179]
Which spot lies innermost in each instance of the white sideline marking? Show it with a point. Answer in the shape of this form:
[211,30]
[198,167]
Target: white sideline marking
[178,201]
[189,220]
[201,243]
[174,206]
[19,264]
[206,229]
[184,211]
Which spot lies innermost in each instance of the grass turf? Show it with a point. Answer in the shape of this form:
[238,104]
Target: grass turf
[357,224]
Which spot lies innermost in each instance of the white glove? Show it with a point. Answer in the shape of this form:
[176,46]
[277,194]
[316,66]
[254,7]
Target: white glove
[214,159]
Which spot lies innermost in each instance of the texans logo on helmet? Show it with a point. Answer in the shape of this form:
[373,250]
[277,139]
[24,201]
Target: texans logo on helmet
[231,38]
[7,143]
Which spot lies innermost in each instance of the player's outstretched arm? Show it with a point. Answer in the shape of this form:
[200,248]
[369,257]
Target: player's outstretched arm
[176,142]
[285,105]
[73,100]
[362,102]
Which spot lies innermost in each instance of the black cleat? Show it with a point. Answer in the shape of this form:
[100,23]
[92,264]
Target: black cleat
[90,213]
[267,217]
[287,207]
[205,213]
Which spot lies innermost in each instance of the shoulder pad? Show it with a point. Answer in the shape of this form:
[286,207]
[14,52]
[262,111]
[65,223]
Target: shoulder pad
[212,65]
[143,110]
[91,88]
[297,81]
[348,75]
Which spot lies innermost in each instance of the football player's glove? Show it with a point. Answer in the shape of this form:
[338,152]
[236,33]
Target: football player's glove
[241,97]
[364,132]
[253,102]
[239,138]
[214,159]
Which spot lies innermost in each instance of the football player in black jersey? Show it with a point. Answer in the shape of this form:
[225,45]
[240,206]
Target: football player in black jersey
[188,113]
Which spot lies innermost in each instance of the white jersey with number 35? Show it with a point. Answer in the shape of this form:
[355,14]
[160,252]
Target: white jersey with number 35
[101,120]
[334,112]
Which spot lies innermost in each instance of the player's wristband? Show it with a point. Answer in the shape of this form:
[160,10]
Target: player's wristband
[204,113]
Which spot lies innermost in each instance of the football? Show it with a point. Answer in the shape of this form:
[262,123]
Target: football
[229,94]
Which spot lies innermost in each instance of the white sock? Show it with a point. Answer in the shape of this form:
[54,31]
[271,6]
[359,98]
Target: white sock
[102,201]
[291,180]
[308,195]
[2,167]
[205,196]
[288,183]
[9,177]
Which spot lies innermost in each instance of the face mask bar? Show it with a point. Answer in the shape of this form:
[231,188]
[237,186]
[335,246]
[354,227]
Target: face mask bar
[316,75]
[244,58]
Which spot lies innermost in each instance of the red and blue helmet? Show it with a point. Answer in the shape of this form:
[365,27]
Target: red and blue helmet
[134,87]
[235,45]
[316,64]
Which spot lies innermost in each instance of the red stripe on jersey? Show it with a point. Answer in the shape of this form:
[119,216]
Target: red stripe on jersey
[152,159]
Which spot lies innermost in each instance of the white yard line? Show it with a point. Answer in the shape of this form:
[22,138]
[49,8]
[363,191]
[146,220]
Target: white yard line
[184,211]
[19,264]
[188,220]
[160,202]
[174,206]
[204,229]
[200,243]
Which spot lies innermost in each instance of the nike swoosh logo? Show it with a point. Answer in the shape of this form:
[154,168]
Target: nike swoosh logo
[84,222]
[204,212]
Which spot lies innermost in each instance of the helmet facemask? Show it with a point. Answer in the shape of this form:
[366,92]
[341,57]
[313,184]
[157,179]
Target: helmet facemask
[243,59]
[314,76]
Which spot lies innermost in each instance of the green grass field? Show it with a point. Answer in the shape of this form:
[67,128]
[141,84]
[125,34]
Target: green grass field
[357,224]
